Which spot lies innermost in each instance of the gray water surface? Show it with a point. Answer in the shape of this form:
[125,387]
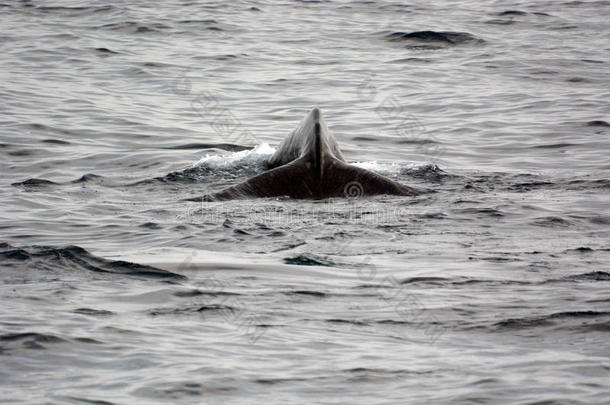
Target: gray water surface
[492,287]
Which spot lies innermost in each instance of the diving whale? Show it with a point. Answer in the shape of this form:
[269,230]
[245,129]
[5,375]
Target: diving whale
[309,164]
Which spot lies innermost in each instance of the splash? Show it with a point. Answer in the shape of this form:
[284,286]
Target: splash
[244,158]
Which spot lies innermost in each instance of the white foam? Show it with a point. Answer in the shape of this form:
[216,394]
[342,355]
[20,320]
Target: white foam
[387,169]
[262,152]
[251,157]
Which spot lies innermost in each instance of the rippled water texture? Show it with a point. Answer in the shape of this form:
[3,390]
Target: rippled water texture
[491,287]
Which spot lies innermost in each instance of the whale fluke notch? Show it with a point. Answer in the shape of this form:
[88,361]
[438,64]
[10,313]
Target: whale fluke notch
[309,164]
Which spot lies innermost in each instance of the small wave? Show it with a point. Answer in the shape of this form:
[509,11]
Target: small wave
[547,320]
[105,50]
[93,312]
[589,276]
[424,280]
[34,183]
[28,340]
[191,310]
[308,260]
[348,321]
[432,39]
[55,141]
[133,27]
[598,123]
[75,11]
[72,258]
[310,293]
[511,12]
[89,178]
[552,222]
[36,337]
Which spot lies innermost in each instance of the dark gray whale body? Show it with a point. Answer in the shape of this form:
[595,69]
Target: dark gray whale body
[309,164]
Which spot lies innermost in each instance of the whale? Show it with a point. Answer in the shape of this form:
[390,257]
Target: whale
[308,164]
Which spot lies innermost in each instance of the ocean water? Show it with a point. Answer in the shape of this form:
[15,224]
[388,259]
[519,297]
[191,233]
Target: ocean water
[491,287]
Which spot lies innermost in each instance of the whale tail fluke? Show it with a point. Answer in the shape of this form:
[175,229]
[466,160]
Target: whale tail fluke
[309,164]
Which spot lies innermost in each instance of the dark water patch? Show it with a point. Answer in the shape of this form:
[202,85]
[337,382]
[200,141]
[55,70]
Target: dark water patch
[74,258]
[308,260]
[578,80]
[151,226]
[88,341]
[55,141]
[546,320]
[529,186]
[582,249]
[498,21]
[552,222]
[500,259]
[590,276]
[34,183]
[347,321]
[133,27]
[414,141]
[481,212]
[226,57]
[554,146]
[215,307]
[311,293]
[581,184]
[365,138]
[75,10]
[511,13]
[425,280]
[31,184]
[104,50]
[600,220]
[595,327]
[21,152]
[37,337]
[181,391]
[412,60]
[598,123]
[196,293]
[93,312]
[89,401]
[393,322]
[521,323]
[191,310]
[273,381]
[27,340]
[436,38]
[199,22]
[471,281]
